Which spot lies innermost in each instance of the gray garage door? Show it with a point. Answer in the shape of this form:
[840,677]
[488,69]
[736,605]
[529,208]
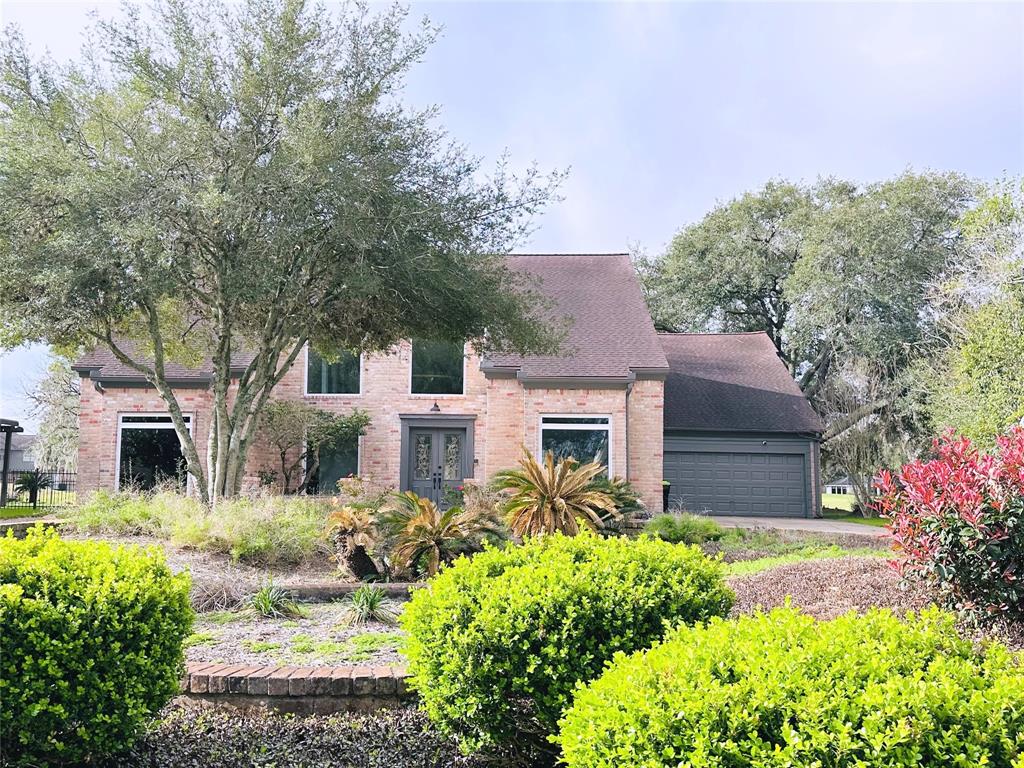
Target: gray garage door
[734,483]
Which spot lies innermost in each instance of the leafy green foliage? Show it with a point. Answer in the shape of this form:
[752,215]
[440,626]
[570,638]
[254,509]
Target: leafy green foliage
[497,642]
[368,603]
[274,602]
[298,431]
[554,497]
[246,178]
[92,645]
[978,386]
[55,403]
[264,530]
[424,537]
[684,528]
[785,691]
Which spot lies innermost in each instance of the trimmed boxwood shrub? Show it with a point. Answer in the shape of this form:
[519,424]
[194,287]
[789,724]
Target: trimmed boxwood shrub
[498,642]
[90,645]
[784,690]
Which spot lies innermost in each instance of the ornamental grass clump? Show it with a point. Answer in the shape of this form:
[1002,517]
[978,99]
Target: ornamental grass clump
[91,639]
[785,691]
[498,642]
[958,522]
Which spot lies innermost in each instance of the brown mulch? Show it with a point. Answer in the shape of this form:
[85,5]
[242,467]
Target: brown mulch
[828,588]
[832,587]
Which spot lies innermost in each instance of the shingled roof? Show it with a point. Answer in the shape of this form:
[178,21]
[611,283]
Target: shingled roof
[610,335]
[101,365]
[732,383]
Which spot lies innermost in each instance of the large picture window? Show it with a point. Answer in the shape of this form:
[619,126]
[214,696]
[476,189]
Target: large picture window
[585,438]
[336,462]
[149,453]
[437,367]
[338,378]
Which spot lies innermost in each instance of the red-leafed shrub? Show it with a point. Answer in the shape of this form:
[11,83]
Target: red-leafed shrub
[957,520]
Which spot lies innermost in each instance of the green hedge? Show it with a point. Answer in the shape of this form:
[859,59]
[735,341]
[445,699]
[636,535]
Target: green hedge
[90,645]
[784,690]
[498,642]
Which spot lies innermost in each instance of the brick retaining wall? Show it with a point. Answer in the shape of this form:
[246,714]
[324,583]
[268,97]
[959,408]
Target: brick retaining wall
[299,690]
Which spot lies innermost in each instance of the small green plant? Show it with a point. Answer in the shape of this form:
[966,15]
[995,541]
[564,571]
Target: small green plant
[684,528]
[223,617]
[499,642]
[199,638]
[302,644]
[362,647]
[260,646]
[92,646]
[368,603]
[32,483]
[783,689]
[273,602]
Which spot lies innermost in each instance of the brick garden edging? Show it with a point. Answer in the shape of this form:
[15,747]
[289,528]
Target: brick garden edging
[298,690]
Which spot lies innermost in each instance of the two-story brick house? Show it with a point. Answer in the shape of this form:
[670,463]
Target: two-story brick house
[441,415]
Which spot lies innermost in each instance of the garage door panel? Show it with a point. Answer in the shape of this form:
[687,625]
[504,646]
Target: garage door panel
[724,482]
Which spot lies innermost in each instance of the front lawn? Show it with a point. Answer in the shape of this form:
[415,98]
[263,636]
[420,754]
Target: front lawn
[844,501]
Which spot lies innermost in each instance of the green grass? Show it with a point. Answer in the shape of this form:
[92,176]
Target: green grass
[9,513]
[748,567]
[224,617]
[839,501]
[875,522]
[358,648]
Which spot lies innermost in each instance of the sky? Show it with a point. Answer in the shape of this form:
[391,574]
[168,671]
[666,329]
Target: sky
[661,110]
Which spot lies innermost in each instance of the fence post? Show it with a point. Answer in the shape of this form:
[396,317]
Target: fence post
[3,472]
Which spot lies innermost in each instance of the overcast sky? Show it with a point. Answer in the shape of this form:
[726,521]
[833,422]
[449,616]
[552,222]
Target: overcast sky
[660,110]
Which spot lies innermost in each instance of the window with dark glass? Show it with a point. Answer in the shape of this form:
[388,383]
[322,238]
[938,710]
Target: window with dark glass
[584,438]
[437,367]
[337,378]
[149,452]
[336,463]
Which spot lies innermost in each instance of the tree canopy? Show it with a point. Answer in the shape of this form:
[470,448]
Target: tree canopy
[841,277]
[225,183]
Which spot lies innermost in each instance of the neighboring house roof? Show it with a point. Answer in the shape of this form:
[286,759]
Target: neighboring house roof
[20,442]
[102,365]
[610,335]
[732,383]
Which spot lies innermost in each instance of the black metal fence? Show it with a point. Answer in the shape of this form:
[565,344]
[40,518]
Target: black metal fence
[37,489]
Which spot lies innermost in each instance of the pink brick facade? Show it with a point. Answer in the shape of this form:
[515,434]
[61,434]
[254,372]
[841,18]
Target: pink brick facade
[506,416]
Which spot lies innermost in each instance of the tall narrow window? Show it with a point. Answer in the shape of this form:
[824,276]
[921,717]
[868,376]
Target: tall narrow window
[437,367]
[338,378]
[585,438]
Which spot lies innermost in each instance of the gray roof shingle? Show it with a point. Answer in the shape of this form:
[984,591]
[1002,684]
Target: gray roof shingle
[733,383]
[610,333]
[102,365]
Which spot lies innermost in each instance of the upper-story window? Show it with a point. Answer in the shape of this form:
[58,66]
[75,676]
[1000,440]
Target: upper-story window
[338,378]
[437,367]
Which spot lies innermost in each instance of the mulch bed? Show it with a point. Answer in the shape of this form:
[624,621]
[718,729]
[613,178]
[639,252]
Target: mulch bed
[831,587]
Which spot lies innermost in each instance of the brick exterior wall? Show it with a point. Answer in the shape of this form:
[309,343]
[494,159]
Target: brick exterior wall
[507,417]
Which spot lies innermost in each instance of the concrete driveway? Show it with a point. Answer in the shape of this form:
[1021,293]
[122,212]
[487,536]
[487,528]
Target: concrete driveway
[799,524]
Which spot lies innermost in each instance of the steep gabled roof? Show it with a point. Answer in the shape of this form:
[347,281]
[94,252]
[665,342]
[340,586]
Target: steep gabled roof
[732,382]
[610,333]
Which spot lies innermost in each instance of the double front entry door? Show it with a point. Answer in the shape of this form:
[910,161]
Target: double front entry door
[436,461]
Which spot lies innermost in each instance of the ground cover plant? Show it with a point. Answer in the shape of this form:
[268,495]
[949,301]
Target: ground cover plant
[186,736]
[684,528]
[783,690]
[498,642]
[92,645]
[958,521]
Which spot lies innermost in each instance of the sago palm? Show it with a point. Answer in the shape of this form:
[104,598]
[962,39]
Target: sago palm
[423,533]
[554,497]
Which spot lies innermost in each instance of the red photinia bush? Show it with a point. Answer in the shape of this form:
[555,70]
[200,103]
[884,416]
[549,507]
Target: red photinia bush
[957,520]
